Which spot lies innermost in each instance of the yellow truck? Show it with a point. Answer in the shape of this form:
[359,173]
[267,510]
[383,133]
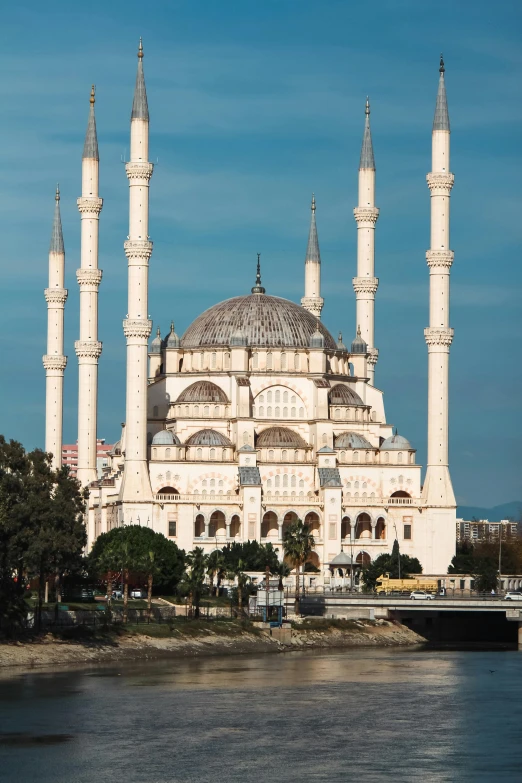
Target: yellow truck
[386,585]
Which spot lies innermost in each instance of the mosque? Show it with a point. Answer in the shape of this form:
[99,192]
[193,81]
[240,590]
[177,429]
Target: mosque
[257,415]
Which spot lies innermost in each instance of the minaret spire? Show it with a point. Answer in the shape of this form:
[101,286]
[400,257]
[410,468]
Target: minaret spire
[54,361]
[366,214]
[258,288]
[312,300]
[88,348]
[136,488]
[438,490]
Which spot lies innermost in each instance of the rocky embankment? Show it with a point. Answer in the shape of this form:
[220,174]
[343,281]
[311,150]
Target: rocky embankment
[228,639]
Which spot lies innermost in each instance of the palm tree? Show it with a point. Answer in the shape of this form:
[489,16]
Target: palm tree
[237,572]
[216,568]
[282,570]
[298,544]
[195,577]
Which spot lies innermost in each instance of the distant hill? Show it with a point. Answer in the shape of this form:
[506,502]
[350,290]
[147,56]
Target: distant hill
[511,510]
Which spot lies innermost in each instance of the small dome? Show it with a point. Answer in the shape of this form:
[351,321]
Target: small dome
[340,345]
[172,339]
[317,339]
[351,440]
[358,345]
[165,438]
[341,560]
[280,437]
[155,346]
[203,391]
[208,438]
[396,443]
[343,395]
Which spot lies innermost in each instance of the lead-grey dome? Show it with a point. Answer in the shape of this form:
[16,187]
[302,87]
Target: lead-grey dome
[343,395]
[165,438]
[208,438]
[280,437]
[396,443]
[352,440]
[263,320]
[203,391]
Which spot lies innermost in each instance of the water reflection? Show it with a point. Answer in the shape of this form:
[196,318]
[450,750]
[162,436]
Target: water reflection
[375,715]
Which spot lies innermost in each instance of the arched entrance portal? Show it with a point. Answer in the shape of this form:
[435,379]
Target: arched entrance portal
[270,526]
[364,526]
[363,559]
[217,525]
[235,527]
[346,528]
[199,526]
[289,518]
[314,524]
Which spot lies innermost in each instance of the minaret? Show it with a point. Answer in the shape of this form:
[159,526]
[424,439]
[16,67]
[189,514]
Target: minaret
[88,348]
[54,361]
[366,214]
[137,327]
[437,485]
[312,299]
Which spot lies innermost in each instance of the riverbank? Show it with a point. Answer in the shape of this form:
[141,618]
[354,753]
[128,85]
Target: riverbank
[195,639]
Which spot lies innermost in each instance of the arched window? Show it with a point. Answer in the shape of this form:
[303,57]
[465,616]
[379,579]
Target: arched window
[261,399]
[412,458]
[199,453]
[224,454]
[186,410]
[337,413]
[285,413]
[285,480]
[293,412]
[206,410]
[269,396]
[285,396]
[343,455]
[399,457]
[386,457]
[283,361]
[213,360]
[296,455]
[168,475]
[167,453]
[356,485]
[269,364]
[180,453]
[297,363]
[364,485]
[216,410]
[277,412]
[278,396]
[155,411]
[255,361]
[269,483]
[325,438]
[368,456]
[271,454]
[212,453]
[196,410]
[278,481]
[301,413]
[356,456]
[284,455]
[261,411]
[154,453]
[401,479]
[227,361]
[204,483]
[293,481]
[212,482]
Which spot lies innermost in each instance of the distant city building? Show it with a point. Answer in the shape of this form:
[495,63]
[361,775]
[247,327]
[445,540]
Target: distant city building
[484,530]
[70,456]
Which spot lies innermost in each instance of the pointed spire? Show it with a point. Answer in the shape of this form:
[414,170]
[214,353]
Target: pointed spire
[258,288]
[57,235]
[367,159]
[441,119]
[313,255]
[140,108]
[90,148]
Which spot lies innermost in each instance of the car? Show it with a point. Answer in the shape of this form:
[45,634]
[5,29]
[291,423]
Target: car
[513,595]
[137,592]
[421,595]
[117,594]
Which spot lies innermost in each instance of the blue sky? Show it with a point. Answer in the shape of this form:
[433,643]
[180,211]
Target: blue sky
[254,106]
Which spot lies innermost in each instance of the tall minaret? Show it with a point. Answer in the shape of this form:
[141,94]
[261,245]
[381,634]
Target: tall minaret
[88,349]
[137,327]
[366,214]
[312,299]
[54,361]
[437,485]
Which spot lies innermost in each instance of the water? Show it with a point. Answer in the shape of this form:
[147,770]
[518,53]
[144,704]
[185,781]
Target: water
[367,715]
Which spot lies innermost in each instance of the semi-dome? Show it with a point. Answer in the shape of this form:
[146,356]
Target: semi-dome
[165,438]
[262,320]
[343,395]
[352,440]
[279,437]
[203,391]
[208,438]
[396,443]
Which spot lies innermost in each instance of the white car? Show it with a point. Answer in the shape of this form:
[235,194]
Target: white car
[137,592]
[513,595]
[421,595]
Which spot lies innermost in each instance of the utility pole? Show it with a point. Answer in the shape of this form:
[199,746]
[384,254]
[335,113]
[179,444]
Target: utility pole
[267,587]
[499,557]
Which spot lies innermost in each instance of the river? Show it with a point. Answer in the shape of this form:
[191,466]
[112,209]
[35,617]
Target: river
[366,715]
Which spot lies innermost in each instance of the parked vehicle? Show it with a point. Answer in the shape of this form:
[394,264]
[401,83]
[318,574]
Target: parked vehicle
[116,594]
[386,585]
[137,592]
[421,595]
[513,595]
[75,594]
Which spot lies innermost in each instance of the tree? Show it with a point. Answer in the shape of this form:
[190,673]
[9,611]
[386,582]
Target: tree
[216,567]
[238,573]
[298,543]
[389,564]
[194,578]
[462,562]
[253,555]
[282,570]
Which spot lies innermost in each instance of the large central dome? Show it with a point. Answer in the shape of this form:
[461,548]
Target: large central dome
[260,319]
